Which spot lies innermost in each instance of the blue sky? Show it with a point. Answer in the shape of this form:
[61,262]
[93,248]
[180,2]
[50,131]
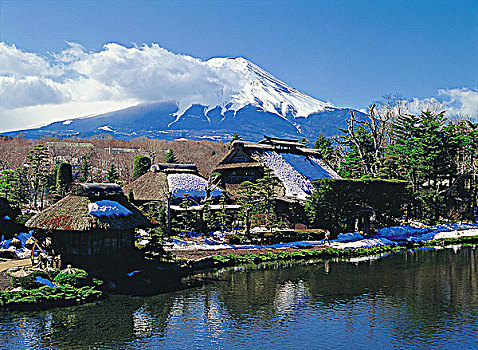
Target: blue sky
[346,52]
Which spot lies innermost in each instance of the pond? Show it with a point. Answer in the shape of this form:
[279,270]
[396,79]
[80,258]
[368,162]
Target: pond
[421,299]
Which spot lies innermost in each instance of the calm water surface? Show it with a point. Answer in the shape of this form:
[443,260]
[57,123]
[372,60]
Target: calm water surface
[421,299]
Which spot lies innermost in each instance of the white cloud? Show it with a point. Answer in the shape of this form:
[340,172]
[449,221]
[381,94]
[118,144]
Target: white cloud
[114,74]
[456,102]
[462,102]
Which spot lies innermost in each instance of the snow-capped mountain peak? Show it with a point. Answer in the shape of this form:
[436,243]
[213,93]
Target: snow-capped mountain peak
[261,89]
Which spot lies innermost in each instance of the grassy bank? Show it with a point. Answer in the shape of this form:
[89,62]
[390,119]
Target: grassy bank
[329,252]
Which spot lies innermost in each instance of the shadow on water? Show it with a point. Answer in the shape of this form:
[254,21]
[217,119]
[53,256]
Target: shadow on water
[412,299]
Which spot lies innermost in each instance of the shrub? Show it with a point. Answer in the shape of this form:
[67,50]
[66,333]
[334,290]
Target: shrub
[78,279]
[141,166]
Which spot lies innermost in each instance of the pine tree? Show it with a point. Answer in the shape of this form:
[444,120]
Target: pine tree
[325,146]
[8,183]
[208,216]
[38,164]
[222,217]
[84,170]
[188,218]
[170,156]
[267,197]
[235,137]
[248,200]
[112,175]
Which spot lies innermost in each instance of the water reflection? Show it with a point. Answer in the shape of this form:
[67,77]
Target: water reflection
[414,299]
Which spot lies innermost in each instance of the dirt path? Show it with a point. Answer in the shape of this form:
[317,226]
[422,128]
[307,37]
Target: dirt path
[5,265]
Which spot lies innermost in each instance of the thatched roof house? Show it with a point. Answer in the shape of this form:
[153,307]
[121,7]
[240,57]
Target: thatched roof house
[291,162]
[170,180]
[93,220]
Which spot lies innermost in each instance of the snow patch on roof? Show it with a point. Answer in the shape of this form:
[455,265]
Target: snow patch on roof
[311,167]
[296,171]
[193,185]
[107,208]
[296,184]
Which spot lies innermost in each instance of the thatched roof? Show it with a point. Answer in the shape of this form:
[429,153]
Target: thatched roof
[239,165]
[72,214]
[152,186]
[274,141]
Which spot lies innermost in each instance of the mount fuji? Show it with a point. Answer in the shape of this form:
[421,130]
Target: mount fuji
[247,100]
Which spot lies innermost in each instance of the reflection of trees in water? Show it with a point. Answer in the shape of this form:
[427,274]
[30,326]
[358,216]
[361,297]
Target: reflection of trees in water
[111,322]
[267,295]
[403,294]
[428,287]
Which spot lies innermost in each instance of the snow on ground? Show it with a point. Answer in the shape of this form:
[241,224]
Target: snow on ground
[296,185]
[414,234]
[107,208]
[387,236]
[193,185]
[366,243]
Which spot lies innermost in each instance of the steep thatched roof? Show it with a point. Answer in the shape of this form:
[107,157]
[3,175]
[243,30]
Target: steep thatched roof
[152,186]
[72,214]
[239,165]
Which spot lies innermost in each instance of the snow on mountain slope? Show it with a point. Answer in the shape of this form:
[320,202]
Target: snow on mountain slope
[263,90]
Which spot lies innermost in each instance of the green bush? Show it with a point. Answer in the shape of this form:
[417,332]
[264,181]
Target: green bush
[336,202]
[78,279]
[141,166]
[64,293]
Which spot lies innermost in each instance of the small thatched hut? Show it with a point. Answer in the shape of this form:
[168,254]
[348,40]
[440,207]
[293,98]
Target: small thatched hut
[93,221]
[171,181]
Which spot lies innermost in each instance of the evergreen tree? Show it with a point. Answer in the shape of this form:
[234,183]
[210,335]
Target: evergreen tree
[112,175]
[359,161]
[38,164]
[8,184]
[235,137]
[141,166]
[84,170]
[64,178]
[304,141]
[267,198]
[223,219]
[208,216]
[188,218]
[170,156]
[325,146]
[248,200]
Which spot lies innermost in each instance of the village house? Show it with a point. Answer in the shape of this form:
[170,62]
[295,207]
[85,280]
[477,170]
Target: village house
[94,224]
[291,162]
